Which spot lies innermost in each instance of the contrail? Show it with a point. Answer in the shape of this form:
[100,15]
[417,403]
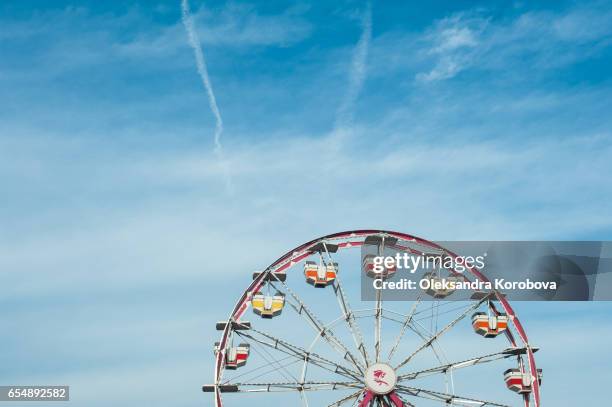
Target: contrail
[358,71]
[194,42]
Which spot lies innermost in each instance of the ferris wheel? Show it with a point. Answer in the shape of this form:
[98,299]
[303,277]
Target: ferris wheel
[300,335]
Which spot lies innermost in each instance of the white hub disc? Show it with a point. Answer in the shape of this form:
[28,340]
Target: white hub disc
[380,378]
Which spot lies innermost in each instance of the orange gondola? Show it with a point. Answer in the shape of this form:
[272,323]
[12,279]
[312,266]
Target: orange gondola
[320,275]
[489,326]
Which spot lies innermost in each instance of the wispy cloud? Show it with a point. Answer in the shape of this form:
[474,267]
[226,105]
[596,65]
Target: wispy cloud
[453,43]
[357,74]
[242,25]
[194,41]
[533,43]
[236,27]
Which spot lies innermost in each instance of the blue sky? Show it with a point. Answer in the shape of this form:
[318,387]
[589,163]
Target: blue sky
[120,225]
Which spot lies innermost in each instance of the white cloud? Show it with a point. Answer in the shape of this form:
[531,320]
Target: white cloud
[73,38]
[452,42]
[243,25]
[235,26]
[531,41]
[163,211]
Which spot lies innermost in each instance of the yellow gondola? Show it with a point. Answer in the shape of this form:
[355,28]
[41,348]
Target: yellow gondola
[268,306]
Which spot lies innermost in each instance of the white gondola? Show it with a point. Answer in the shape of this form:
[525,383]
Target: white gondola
[235,356]
[439,287]
[519,381]
[367,265]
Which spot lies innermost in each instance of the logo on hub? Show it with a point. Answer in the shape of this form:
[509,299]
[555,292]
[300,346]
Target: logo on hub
[379,375]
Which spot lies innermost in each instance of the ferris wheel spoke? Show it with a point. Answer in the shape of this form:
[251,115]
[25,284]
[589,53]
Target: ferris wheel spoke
[378,324]
[287,361]
[287,387]
[346,399]
[272,361]
[405,325]
[349,317]
[347,313]
[444,306]
[446,398]
[258,372]
[299,353]
[464,363]
[324,332]
[378,315]
[442,331]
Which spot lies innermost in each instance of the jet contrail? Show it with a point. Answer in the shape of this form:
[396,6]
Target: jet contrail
[358,71]
[194,41]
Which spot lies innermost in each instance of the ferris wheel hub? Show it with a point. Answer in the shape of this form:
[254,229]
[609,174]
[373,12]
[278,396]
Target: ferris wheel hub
[380,378]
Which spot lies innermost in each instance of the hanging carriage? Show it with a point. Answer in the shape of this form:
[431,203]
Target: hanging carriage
[489,326]
[320,275]
[521,381]
[268,306]
[369,268]
[439,287]
[235,356]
